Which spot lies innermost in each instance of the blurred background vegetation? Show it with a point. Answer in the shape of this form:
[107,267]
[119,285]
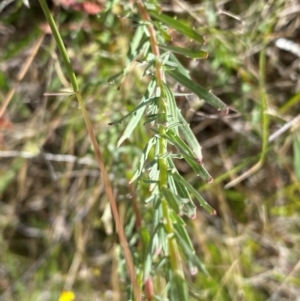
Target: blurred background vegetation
[56,229]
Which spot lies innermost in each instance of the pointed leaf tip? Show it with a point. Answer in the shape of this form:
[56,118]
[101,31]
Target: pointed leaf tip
[189,187]
[193,271]
[225,111]
[179,26]
[157,251]
[198,90]
[138,113]
[210,181]
[199,160]
[193,216]
[214,212]
[188,52]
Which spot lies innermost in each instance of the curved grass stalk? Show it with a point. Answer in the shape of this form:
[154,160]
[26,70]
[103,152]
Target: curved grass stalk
[265,121]
[108,186]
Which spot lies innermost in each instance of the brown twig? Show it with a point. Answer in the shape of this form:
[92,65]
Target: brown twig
[112,201]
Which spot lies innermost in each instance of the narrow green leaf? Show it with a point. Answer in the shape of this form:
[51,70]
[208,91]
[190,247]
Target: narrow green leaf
[171,198]
[202,202]
[152,109]
[296,148]
[163,32]
[184,242]
[134,45]
[176,140]
[145,235]
[180,189]
[180,27]
[171,182]
[147,265]
[179,205]
[174,60]
[150,120]
[152,4]
[169,65]
[142,104]
[151,181]
[178,290]
[186,245]
[150,116]
[112,79]
[191,53]
[165,155]
[164,57]
[162,241]
[188,155]
[150,164]
[153,176]
[150,243]
[190,138]
[175,156]
[188,208]
[174,125]
[180,227]
[185,129]
[151,63]
[198,168]
[154,172]
[171,102]
[151,198]
[137,115]
[199,91]
[143,158]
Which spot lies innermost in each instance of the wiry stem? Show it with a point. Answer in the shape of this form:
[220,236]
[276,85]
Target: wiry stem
[108,186]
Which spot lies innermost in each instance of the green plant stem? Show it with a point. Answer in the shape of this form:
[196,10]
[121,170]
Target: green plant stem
[108,187]
[172,244]
[264,102]
[60,44]
[263,114]
[162,122]
[154,45]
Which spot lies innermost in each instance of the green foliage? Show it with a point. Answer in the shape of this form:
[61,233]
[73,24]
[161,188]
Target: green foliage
[170,191]
[189,237]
